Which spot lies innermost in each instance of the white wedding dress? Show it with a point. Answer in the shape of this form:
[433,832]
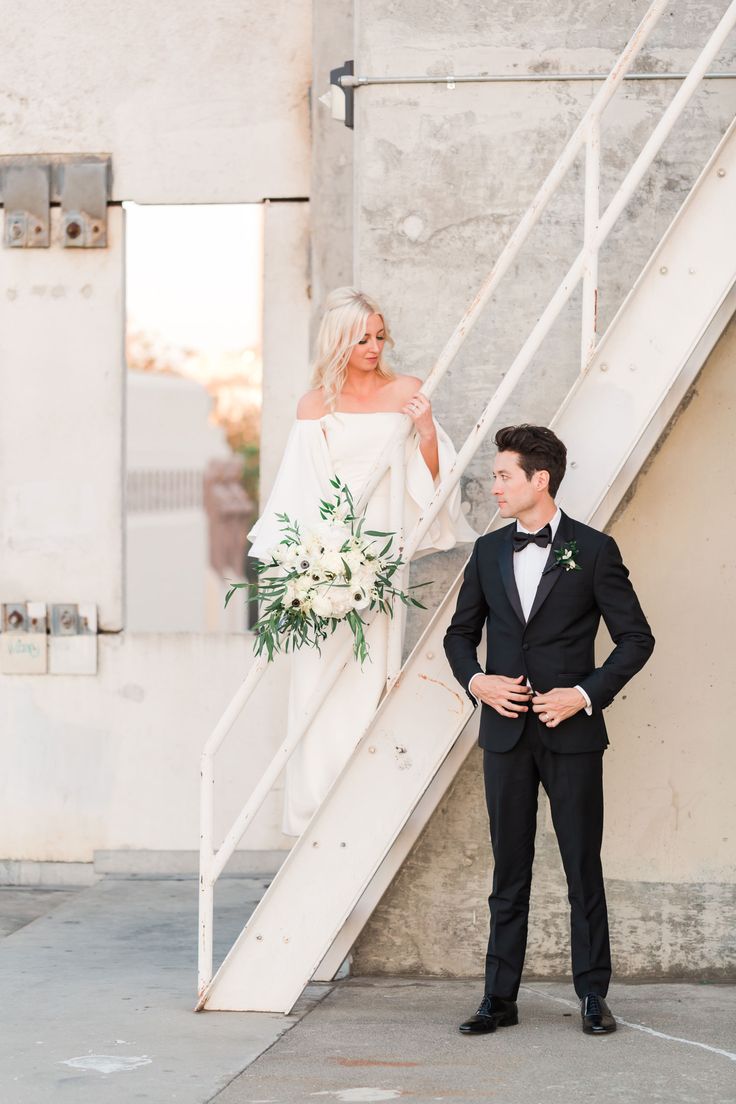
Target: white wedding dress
[347,445]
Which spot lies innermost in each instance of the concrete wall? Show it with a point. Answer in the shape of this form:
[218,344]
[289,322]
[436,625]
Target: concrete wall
[197,103]
[443,176]
[332,158]
[61,425]
[194,103]
[112,762]
[286,313]
[669,855]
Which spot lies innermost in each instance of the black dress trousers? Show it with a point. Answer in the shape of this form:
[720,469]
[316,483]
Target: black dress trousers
[574,786]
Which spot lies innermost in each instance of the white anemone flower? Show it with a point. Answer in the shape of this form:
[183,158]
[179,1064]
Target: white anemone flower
[291,599]
[358,598]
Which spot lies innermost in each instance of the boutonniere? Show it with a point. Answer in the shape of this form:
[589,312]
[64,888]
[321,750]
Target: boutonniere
[567,556]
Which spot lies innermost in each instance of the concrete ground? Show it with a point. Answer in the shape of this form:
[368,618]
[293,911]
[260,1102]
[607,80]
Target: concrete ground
[374,1040]
[98,987]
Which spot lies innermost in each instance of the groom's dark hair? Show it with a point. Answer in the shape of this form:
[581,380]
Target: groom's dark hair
[538,449]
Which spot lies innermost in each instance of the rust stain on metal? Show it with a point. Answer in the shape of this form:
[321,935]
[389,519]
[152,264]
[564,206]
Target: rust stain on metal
[353,1063]
[438,682]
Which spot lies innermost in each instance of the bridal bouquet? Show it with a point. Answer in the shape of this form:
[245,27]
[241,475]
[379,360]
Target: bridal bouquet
[314,580]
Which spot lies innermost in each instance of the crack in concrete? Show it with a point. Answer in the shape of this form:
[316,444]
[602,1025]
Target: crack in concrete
[640,1027]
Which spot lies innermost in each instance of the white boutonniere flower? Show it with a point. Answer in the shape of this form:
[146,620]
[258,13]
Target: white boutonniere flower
[567,556]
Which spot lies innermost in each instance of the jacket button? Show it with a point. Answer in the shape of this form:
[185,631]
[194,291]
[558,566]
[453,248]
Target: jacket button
[525,647]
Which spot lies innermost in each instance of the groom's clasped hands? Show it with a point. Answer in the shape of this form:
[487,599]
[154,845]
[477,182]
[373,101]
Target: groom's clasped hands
[511,696]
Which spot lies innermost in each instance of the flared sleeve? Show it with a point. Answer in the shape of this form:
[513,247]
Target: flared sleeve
[302,481]
[450,526]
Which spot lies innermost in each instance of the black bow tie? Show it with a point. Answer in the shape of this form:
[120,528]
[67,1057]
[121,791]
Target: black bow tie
[542,538]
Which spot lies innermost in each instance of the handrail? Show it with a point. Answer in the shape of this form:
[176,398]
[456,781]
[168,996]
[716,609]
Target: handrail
[584,267]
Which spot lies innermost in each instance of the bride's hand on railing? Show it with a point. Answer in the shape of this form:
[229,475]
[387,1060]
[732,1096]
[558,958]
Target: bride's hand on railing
[419,409]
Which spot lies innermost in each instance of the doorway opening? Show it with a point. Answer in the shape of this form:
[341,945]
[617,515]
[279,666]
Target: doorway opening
[194,287]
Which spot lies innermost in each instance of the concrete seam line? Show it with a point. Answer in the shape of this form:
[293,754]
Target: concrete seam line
[639,1027]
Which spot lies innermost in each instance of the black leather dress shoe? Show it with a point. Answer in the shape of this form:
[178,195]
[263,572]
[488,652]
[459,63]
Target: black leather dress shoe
[597,1016]
[493,1012]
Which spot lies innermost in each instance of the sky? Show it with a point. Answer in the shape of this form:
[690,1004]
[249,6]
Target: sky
[194,274]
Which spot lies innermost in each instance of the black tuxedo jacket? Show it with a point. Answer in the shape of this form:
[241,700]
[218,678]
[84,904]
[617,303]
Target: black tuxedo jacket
[555,647]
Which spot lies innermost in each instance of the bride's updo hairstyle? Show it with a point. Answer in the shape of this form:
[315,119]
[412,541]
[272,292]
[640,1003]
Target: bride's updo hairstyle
[343,325]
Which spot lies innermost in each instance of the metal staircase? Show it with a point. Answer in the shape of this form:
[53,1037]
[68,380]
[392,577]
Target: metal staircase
[631,383]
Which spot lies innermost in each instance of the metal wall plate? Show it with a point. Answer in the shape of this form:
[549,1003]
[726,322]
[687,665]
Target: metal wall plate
[64,619]
[26,195]
[84,188]
[15,617]
[80,183]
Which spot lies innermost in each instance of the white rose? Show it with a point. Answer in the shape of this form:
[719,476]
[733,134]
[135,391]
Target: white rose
[322,604]
[354,560]
[341,604]
[301,586]
[332,562]
[332,535]
[288,556]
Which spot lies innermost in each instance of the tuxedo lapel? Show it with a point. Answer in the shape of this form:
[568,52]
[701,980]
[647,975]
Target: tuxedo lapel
[507,573]
[552,572]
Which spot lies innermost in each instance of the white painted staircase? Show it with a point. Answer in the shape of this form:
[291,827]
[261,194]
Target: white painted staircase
[630,386]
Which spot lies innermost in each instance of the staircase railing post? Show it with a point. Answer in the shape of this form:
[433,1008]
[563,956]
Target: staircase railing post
[589,323]
[396,524]
[206,884]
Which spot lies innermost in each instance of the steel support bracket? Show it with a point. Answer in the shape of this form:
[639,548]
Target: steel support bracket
[342,111]
[26,191]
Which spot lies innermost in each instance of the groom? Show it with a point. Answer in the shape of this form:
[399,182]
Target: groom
[540,586]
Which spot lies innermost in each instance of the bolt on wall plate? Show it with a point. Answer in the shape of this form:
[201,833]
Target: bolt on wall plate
[23,647]
[64,619]
[26,196]
[15,617]
[84,191]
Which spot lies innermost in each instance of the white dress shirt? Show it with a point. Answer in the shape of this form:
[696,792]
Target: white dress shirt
[528,567]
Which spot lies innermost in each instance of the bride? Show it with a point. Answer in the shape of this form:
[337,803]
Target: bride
[343,427]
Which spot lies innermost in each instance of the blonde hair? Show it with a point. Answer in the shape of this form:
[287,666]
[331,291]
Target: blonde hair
[343,325]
